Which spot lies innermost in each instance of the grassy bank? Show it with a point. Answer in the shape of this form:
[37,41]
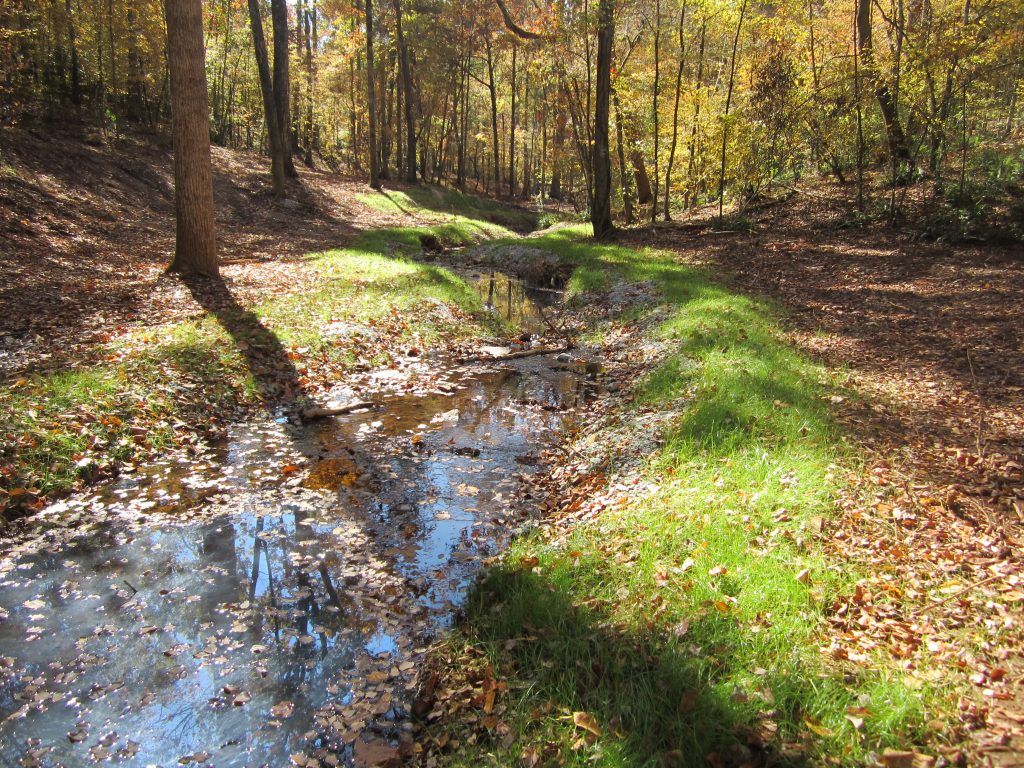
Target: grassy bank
[162,387]
[684,627]
[441,204]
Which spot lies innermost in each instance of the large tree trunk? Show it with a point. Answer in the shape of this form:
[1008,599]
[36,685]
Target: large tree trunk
[405,74]
[897,140]
[279,17]
[371,99]
[195,249]
[269,105]
[601,203]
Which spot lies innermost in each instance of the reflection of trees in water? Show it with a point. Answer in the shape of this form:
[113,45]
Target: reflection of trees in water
[298,581]
[510,299]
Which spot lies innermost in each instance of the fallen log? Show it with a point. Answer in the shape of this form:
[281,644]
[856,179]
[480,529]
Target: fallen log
[341,410]
[516,355]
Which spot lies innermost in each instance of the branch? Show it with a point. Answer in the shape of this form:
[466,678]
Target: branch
[955,595]
[322,413]
[513,27]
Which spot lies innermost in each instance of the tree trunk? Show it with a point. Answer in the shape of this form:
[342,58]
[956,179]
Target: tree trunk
[675,109]
[690,196]
[136,76]
[259,41]
[113,53]
[558,140]
[405,73]
[371,98]
[728,102]
[654,107]
[494,113]
[310,31]
[897,140]
[279,18]
[76,69]
[195,249]
[601,204]
[643,181]
[625,174]
[512,130]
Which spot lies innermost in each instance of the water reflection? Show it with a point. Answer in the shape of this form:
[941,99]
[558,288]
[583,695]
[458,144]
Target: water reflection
[515,301]
[295,611]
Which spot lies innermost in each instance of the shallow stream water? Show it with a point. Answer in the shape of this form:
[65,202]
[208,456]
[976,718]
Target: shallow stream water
[271,599]
[275,598]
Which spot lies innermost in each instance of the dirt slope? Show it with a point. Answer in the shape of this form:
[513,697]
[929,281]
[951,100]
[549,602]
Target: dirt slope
[86,230]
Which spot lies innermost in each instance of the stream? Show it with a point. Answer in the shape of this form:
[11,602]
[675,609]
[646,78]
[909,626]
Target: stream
[272,599]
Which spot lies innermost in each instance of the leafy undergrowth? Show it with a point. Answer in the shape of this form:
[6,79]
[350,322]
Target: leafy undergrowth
[682,624]
[165,387]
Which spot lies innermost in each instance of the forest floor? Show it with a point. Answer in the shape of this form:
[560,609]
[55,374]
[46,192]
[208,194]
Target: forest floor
[849,401]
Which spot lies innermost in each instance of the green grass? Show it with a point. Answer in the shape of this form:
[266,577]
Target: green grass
[488,217]
[679,621]
[64,427]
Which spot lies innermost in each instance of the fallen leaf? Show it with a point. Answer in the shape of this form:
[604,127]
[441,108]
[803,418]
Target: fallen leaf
[587,722]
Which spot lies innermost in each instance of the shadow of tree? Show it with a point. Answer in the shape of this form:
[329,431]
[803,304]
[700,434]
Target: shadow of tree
[654,697]
[266,358]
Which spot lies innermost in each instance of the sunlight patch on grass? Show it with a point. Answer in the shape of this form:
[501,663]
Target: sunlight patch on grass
[442,204]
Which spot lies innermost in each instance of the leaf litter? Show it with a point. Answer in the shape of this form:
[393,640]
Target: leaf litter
[284,587]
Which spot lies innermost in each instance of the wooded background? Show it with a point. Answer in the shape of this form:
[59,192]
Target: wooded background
[711,100]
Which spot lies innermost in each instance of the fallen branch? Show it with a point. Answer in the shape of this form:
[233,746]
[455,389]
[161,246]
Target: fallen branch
[516,355]
[341,410]
[559,331]
[955,595]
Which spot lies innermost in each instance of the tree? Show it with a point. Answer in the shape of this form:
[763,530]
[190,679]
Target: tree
[270,113]
[195,249]
[282,85]
[405,74]
[371,99]
[728,103]
[601,204]
[898,149]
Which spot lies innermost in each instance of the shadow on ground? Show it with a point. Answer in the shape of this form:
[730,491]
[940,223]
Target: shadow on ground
[653,698]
